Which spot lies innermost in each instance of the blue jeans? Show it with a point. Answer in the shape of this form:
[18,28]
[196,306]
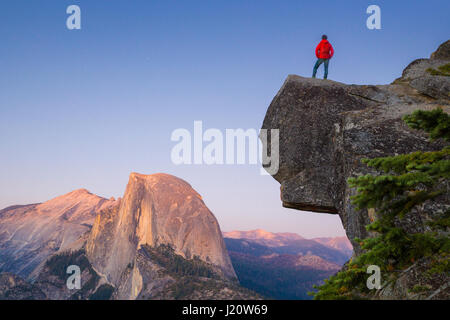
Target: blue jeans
[325,64]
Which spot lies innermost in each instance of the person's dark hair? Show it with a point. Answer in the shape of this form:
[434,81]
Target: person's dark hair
[324,37]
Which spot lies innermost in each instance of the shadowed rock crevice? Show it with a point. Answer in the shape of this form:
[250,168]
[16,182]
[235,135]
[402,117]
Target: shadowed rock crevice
[309,207]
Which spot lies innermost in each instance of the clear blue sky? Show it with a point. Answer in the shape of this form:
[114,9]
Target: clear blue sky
[85,108]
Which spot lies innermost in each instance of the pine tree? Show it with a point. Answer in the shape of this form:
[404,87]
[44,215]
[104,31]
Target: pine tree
[404,182]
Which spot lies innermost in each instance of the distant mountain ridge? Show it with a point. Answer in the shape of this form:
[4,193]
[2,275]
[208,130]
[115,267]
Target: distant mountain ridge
[262,236]
[336,126]
[284,265]
[159,241]
[293,243]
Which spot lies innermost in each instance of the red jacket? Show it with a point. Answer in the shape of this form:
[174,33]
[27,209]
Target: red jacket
[324,50]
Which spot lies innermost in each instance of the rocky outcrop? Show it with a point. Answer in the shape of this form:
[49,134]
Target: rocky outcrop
[419,74]
[327,127]
[156,209]
[443,52]
[13,287]
[158,273]
[417,283]
[31,233]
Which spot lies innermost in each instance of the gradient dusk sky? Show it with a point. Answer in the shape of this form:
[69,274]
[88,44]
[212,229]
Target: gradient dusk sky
[84,108]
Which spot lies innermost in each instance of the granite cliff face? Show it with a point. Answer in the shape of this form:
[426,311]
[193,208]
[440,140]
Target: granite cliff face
[327,127]
[31,233]
[157,209]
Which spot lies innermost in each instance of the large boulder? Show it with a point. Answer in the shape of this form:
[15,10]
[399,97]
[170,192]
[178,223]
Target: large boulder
[327,127]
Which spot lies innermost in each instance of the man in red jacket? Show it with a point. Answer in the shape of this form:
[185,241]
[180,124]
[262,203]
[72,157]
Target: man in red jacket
[324,52]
